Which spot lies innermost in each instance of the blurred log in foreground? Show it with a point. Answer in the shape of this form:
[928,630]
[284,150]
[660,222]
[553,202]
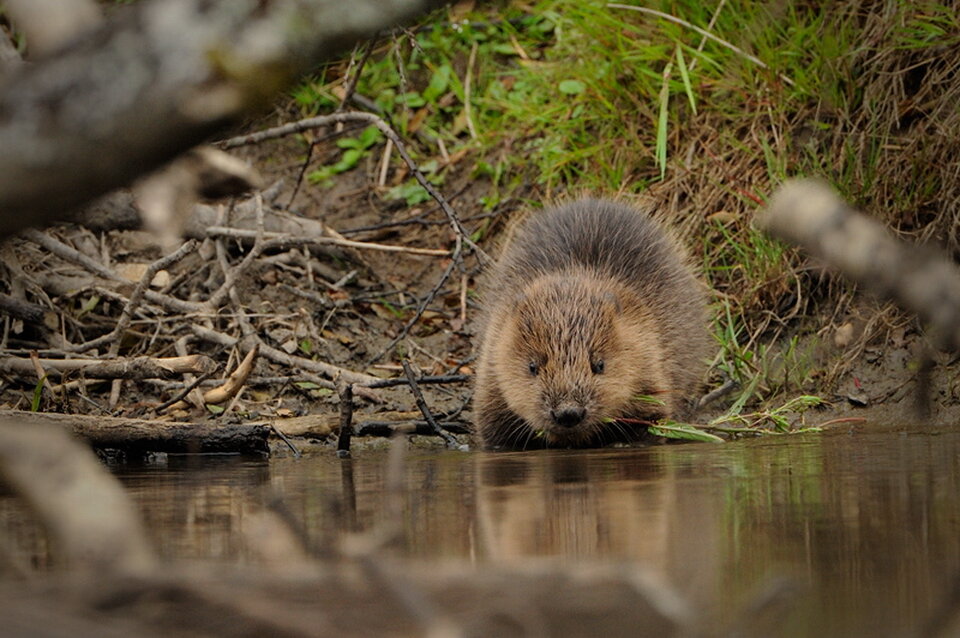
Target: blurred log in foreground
[918,278]
[154,80]
[338,600]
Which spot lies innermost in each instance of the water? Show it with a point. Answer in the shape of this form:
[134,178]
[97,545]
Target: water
[842,534]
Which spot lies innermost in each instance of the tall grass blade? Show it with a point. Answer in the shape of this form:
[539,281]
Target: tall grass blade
[685,76]
[661,148]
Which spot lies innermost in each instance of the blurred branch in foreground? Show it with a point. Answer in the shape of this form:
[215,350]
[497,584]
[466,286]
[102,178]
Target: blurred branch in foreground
[918,278]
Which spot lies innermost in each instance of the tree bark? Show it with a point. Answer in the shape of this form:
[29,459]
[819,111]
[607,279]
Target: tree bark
[155,80]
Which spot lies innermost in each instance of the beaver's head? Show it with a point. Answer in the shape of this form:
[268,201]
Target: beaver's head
[576,353]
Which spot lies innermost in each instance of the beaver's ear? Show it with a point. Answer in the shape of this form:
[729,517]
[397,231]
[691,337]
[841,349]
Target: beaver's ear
[612,299]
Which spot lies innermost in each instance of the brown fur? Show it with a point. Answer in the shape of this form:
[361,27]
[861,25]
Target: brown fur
[589,282]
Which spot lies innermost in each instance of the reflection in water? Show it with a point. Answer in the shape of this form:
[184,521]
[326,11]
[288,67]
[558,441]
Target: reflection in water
[867,526]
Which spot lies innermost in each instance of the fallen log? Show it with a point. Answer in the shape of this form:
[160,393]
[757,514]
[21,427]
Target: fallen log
[141,435]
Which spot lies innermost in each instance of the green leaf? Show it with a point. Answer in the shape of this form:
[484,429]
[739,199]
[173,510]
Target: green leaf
[307,385]
[504,48]
[411,191]
[370,136]
[215,409]
[439,82]
[683,431]
[89,305]
[306,346]
[351,157]
[572,87]
[412,100]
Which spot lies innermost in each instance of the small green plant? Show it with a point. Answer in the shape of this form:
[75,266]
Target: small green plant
[773,421]
[354,150]
[37,394]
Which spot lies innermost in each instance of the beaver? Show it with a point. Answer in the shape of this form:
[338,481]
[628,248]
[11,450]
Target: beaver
[594,326]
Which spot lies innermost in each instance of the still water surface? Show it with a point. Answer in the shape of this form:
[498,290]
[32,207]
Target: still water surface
[860,533]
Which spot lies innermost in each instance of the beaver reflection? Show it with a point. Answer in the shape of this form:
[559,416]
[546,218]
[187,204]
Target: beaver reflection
[603,504]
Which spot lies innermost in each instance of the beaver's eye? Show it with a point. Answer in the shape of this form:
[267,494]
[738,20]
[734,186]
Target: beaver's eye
[534,368]
[597,366]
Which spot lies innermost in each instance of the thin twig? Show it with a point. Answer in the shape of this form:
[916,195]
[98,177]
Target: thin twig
[278,356]
[42,375]
[706,34]
[231,275]
[437,379]
[283,437]
[183,393]
[133,303]
[355,77]
[283,239]
[703,40]
[420,309]
[725,388]
[72,255]
[448,438]
[466,91]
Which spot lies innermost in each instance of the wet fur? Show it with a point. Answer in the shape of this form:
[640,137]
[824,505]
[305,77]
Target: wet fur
[592,280]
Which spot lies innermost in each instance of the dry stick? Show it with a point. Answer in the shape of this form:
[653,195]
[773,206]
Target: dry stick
[235,381]
[27,311]
[351,87]
[292,361]
[133,303]
[345,392]
[119,368]
[725,388]
[435,379]
[282,239]
[283,437]
[703,40]
[231,275]
[706,34]
[72,255]
[326,120]
[183,393]
[466,91]
[448,438]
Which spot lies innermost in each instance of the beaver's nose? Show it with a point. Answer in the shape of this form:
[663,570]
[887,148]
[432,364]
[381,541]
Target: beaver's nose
[567,417]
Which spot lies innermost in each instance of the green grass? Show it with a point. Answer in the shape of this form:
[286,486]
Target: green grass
[572,96]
